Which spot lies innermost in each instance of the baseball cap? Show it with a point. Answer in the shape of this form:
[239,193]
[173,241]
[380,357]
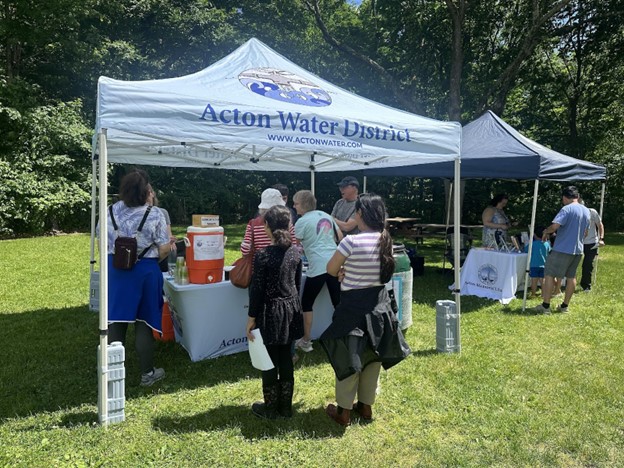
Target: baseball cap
[349,180]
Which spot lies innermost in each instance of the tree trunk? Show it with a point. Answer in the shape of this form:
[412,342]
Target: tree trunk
[508,77]
[457,10]
[401,95]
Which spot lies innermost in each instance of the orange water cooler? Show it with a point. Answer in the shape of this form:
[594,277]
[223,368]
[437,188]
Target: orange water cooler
[204,254]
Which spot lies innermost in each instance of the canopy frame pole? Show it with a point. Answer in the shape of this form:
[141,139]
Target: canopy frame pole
[312,174]
[103,352]
[94,168]
[364,185]
[456,236]
[448,222]
[531,231]
[595,269]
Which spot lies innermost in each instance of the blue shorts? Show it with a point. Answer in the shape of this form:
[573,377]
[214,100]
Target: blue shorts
[136,294]
[536,272]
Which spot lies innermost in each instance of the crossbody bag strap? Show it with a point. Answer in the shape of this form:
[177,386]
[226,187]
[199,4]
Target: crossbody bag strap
[146,249]
[110,210]
[147,212]
[116,228]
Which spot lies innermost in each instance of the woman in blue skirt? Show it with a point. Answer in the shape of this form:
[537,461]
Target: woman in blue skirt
[135,295]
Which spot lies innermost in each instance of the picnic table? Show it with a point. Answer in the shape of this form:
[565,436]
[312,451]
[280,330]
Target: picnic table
[401,226]
[412,229]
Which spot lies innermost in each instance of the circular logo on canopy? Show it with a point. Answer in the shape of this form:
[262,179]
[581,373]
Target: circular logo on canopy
[488,274]
[284,86]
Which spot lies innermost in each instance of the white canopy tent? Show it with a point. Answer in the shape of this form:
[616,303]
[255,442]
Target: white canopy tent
[253,110]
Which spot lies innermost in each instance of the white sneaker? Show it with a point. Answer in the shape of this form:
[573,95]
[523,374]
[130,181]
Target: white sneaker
[303,345]
[152,377]
[563,310]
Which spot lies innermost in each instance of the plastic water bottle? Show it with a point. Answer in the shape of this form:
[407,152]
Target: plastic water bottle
[171,263]
[180,263]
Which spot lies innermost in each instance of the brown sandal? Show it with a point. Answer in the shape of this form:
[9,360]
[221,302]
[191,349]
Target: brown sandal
[365,411]
[341,415]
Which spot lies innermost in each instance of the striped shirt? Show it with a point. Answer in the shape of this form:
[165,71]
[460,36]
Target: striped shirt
[260,237]
[362,266]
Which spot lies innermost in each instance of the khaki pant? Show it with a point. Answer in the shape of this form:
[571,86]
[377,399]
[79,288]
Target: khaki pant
[363,383]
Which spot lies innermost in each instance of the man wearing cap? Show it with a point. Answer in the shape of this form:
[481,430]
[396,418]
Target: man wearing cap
[344,209]
[284,191]
[571,225]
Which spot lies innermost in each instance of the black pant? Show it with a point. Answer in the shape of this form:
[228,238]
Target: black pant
[589,256]
[283,370]
[144,342]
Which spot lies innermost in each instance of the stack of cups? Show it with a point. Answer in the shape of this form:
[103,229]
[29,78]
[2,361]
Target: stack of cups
[181,271]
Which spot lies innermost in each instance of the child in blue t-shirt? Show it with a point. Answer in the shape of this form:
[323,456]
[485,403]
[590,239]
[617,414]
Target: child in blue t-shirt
[539,253]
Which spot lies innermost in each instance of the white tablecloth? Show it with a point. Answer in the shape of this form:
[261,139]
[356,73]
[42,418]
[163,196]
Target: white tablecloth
[210,319]
[493,274]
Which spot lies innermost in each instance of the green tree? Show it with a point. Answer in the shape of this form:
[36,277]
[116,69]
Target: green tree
[43,168]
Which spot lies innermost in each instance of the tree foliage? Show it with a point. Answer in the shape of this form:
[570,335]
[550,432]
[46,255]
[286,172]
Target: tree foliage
[552,68]
[43,168]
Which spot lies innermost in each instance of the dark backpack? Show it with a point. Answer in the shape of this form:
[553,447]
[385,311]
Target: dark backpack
[125,249]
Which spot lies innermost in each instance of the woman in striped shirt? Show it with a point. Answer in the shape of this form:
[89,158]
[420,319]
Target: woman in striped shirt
[364,333]
[256,237]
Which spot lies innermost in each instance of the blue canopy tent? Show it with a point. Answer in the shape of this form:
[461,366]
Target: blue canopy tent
[493,149]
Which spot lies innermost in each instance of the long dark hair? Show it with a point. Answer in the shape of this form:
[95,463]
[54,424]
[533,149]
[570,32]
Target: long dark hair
[278,220]
[373,212]
[498,198]
[134,188]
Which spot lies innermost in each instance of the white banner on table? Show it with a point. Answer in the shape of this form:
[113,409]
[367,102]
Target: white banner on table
[492,274]
[260,358]
[210,319]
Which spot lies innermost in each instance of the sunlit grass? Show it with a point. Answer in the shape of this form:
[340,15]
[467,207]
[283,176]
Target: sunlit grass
[526,390]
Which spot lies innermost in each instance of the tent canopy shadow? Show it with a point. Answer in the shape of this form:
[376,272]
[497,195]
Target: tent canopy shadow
[50,362]
[311,424]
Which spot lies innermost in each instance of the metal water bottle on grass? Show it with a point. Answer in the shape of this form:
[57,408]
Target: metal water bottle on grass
[447,327]
[402,281]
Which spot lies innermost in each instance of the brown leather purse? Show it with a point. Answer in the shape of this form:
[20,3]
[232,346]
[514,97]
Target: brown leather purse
[240,275]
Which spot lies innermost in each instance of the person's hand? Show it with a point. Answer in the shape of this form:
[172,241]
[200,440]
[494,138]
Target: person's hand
[172,244]
[601,242]
[251,324]
[341,274]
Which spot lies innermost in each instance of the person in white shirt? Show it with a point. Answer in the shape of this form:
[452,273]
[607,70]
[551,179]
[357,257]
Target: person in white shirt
[591,242]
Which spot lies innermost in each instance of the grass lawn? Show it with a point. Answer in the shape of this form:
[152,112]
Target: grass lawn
[526,390]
